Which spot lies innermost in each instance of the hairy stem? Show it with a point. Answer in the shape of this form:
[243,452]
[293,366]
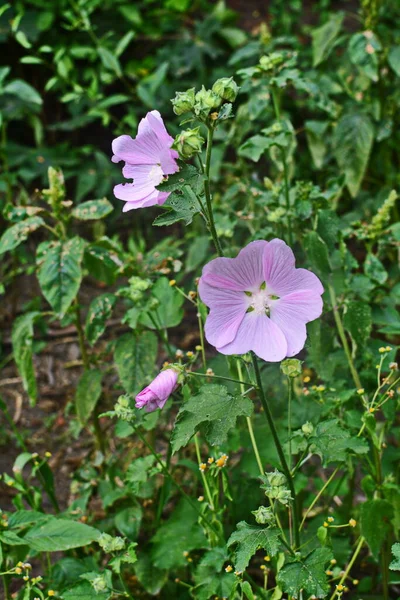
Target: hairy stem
[207,191]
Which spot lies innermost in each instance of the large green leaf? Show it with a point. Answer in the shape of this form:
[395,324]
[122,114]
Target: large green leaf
[134,358]
[87,394]
[363,48]
[58,535]
[324,37]
[18,233]
[306,574]
[332,443]
[395,564]
[92,209]
[248,539]
[59,272]
[151,578]
[210,577]
[317,253]
[353,139]
[22,339]
[169,311]
[180,534]
[358,322]
[100,310]
[214,407]
[375,523]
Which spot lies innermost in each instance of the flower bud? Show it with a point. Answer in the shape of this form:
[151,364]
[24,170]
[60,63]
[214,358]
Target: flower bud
[291,367]
[189,142]
[226,88]
[264,515]
[307,428]
[206,100]
[276,478]
[183,102]
[157,393]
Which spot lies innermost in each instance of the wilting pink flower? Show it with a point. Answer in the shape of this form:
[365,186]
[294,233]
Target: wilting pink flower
[148,158]
[259,301]
[157,393]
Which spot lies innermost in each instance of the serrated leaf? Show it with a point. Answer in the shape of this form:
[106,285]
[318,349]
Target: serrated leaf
[58,535]
[187,174]
[358,322]
[85,591]
[306,574]
[169,312]
[87,394]
[375,523]
[100,310]
[59,272]
[18,233]
[22,339]
[92,209]
[249,538]
[134,357]
[324,37]
[353,139]
[181,205]
[181,533]
[332,443]
[395,564]
[214,407]
[254,147]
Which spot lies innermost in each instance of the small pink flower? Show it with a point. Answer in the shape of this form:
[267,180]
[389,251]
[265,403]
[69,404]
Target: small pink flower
[157,393]
[259,301]
[148,158]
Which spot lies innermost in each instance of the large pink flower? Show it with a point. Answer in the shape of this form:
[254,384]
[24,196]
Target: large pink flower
[157,393]
[148,158]
[259,301]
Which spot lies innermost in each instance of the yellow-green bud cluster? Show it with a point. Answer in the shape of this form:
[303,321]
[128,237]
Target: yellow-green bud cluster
[189,142]
[226,88]
[274,484]
[183,102]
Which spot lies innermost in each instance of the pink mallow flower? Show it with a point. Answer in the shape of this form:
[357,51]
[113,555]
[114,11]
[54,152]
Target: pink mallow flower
[157,393]
[148,159]
[259,301]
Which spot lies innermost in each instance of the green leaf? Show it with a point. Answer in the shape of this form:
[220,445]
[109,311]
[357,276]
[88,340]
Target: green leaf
[394,59]
[151,578]
[58,535]
[317,253]
[134,358]
[18,233]
[100,310]
[87,394]
[254,147]
[395,564]
[109,60]
[375,269]
[128,521]
[169,312]
[181,205]
[353,139]
[23,40]
[181,533]
[375,523]
[214,407]
[24,92]
[59,272]
[306,574]
[22,339]
[363,48]
[92,210]
[316,139]
[85,591]
[249,539]
[332,443]
[210,577]
[102,263]
[358,322]
[324,37]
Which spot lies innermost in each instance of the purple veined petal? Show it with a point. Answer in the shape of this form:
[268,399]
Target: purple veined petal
[168,161]
[149,200]
[161,198]
[158,391]
[243,273]
[157,125]
[221,296]
[145,178]
[291,313]
[145,149]
[223,322]
[258,333]
[280,274]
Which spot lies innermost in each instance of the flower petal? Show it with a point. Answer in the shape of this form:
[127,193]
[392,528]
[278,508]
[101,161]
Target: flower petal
[280,274]
[245,272]
[260,334]
[151,199]
[223,322]
[291,313]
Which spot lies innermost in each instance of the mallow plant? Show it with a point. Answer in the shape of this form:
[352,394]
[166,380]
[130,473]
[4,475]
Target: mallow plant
[262,463]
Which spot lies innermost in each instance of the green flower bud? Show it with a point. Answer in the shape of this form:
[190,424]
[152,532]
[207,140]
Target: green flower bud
[188,142]
[183,102]
[99,584]
[123,408]
[276,478]
[226,88]
[111,544]
[206,100]
[307,428]
[291,367]
[264,515]
[270,61]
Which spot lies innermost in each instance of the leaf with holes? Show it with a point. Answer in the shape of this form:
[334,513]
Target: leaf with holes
[87,394]
[306,574]
[18,233]
[249,538]
[100,310]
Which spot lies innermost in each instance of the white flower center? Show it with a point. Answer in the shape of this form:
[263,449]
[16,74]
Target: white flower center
[260,301]
[156,174]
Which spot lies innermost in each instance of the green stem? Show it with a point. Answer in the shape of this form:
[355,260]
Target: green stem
[6,589]
[349,566]
[249,423]
[203,477]
[201,332]
[207,192]
[290,394]
[342,335]
[278,447]
[321,491]
[220,377]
